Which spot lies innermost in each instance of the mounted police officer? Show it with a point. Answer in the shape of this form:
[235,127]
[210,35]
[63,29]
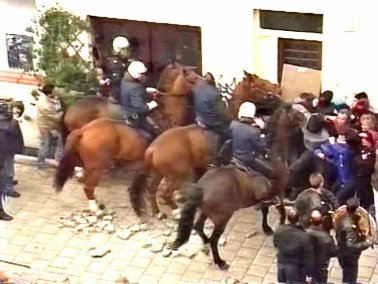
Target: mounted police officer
[247,141]
[11,143]
[116,65]
[212,115]
[135,100]
[324,247]
[295,252]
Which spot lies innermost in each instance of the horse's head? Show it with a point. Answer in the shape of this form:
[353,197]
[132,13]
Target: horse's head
[265,95]
[177,79]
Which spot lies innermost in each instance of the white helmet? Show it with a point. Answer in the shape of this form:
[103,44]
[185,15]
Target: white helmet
[136,69]
[247,109]
[120,42]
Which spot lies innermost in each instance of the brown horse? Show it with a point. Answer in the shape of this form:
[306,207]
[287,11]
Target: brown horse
[218,194]
[96,142]
[265,95]
[174,99]
[182,152]
[97,145]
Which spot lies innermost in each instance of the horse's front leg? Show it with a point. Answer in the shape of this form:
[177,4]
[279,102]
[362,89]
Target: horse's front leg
[92,178]
[266,228]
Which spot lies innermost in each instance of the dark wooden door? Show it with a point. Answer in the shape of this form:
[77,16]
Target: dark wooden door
[305,53]
[153,43]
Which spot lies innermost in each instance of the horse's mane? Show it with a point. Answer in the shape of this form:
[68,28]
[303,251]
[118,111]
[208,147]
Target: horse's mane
[275,123]
[170,72]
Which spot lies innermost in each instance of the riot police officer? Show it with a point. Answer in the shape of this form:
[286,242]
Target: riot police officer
[134,99]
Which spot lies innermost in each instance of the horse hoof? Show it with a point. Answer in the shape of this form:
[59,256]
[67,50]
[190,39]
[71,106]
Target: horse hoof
[161,216]
[268,231]
[223,265]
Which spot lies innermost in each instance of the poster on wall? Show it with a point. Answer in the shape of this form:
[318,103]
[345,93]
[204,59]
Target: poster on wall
[297,80]
[20,52]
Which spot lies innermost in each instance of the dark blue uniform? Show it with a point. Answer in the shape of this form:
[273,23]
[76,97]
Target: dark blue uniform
[134,99]
[211,113]
[210,110]
[246,143]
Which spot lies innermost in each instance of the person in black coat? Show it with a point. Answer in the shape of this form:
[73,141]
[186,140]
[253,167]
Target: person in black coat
[135,100]
[295,253]
[324,247]
[211,114]
[351,243]
[11,143]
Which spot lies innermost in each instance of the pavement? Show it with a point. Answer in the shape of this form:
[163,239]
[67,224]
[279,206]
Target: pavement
[61,254]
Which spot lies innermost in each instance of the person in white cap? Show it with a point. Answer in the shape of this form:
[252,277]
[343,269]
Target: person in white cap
[134,99]
[247,142]
[115,65]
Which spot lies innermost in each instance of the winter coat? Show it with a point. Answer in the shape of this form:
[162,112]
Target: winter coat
[48,113]
[324,248]
[11,138]
[339,155]
[294,247]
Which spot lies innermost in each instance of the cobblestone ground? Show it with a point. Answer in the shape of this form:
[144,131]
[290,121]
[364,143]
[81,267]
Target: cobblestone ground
[58,254]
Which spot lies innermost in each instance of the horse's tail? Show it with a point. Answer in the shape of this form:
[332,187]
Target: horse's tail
[63,129]
[66,166]
[194,199]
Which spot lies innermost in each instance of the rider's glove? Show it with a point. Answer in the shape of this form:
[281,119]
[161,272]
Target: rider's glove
[152,104]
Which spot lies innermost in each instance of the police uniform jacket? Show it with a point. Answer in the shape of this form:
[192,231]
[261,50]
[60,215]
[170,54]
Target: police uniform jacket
[246,141]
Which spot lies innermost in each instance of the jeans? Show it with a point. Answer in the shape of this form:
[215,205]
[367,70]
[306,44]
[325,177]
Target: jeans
[6,174]
[45,147]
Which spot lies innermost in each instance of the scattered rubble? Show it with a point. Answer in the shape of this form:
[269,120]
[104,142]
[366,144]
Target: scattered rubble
[87,221]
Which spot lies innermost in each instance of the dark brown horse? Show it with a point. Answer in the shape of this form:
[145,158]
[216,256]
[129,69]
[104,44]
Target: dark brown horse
[182,152]
[218,194]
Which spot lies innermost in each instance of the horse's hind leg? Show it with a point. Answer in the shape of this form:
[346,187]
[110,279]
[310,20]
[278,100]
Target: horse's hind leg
[266,228]
[199,225]
[218,231]
[152,190]
[171,185]
[92,178]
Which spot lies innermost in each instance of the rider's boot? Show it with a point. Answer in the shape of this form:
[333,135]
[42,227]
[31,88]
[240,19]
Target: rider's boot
[223,155]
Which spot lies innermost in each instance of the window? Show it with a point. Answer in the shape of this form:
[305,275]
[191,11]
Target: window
[305,53]
[288,21]
[20,52]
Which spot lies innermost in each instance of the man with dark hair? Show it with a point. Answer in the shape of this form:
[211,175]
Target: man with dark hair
[324,248]
[11,143]
[295,252]
[351,242]
[325,105]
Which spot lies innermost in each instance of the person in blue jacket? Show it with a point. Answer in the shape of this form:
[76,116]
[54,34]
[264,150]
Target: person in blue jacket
[135,100]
